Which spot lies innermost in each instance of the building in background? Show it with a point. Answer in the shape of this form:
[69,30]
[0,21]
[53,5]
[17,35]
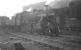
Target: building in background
[17,19]
[74,13]
[4,20]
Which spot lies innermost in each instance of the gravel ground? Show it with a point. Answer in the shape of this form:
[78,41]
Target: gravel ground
[38,46]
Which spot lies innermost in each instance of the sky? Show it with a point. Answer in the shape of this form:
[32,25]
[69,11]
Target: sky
[10,7]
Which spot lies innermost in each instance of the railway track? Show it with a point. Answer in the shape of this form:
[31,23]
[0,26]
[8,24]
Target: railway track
[60,42]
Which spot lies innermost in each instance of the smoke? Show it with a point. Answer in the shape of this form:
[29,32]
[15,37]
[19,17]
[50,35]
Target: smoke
[58,3]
